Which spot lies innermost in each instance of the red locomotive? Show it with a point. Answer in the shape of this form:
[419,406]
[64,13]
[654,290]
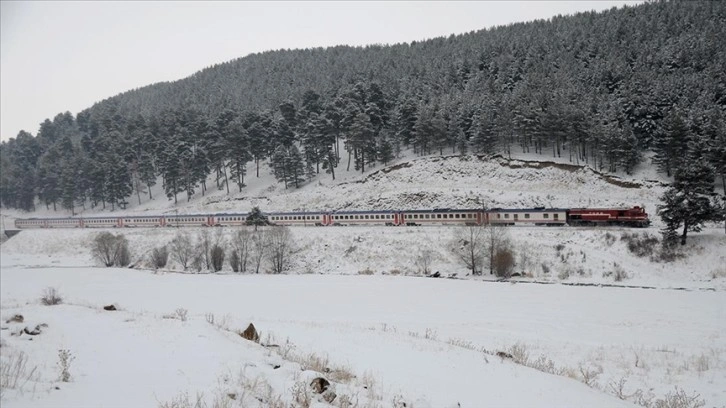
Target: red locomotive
[631,217]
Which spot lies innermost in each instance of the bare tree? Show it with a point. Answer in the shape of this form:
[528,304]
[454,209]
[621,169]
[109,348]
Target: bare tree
[242,243]
[111,249]
[204,249]
[259,249]
[279,245]
[423,261]
[182,249]
[496,238]
[159,257]
[104,248]
[468,246]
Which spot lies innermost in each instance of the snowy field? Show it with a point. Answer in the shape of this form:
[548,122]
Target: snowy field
[422,341]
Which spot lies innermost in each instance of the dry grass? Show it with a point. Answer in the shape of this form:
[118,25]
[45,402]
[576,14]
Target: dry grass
[15,372]
[51,297]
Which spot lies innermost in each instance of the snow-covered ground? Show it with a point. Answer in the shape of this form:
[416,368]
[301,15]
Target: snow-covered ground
[389,338]
[416,339]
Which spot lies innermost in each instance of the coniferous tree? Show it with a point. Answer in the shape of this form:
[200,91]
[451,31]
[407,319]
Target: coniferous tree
[690,200]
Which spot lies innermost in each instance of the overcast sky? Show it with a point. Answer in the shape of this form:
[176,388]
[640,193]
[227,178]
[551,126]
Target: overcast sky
[65,56]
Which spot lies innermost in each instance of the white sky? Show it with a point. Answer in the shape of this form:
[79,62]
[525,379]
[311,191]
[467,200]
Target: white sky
[65,56]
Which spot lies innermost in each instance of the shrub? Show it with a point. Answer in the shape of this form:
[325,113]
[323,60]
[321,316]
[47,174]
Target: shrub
[217,255]
[123,257]
[15,372]
[423,262]
[679,399]
[503,262]
[640,245]
[64,363]
[159,257]
[366,271]
[234,261]
[181,314]
[545,269]
[51,297]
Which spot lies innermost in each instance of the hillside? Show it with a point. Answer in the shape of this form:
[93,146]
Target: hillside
[586,255]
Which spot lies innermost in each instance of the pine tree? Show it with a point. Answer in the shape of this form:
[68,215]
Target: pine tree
[256,218]
[690,201]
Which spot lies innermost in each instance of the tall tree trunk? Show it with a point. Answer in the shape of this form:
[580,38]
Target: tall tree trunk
[685,231]
[226,181]
[331,163]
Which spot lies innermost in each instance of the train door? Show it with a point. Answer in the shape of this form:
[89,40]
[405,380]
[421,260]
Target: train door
[210,221]
[81,223]
[119,222]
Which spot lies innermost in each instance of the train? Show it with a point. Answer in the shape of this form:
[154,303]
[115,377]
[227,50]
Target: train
[629,217]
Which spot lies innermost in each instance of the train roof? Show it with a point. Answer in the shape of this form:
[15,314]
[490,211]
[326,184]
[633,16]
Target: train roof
[365,212]
[443,210]
[527,210]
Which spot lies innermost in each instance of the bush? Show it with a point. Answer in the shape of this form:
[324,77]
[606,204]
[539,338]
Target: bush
[217,255]
[111,249]
[503,263]
[640,245]
[65,358]
[51,297]
[234,261]
[423,262]
[159,257]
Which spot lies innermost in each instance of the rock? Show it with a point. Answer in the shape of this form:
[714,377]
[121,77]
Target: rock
[320,384]
[18,318]
[36,331]
[251,334]
[110,308]
[436,274]
[329,396]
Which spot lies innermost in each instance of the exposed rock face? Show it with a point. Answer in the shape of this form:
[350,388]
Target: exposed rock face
[320,385]
[251,334]
[18,318]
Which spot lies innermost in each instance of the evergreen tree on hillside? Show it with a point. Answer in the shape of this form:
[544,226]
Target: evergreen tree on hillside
[671,145]
[256,218]
[690,200]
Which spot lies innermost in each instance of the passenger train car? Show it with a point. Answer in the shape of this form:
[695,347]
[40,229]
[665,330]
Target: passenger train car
[633,217]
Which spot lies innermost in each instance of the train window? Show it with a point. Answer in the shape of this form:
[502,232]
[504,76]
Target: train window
[526,216]
[438,215]
[366,217]
[545,216]
[556,216]
[516,216]
[506,215]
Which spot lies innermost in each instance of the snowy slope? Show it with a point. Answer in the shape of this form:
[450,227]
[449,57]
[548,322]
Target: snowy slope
[414,182]
[417,340]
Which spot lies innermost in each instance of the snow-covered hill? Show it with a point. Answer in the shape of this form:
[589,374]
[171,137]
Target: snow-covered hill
[413,182]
